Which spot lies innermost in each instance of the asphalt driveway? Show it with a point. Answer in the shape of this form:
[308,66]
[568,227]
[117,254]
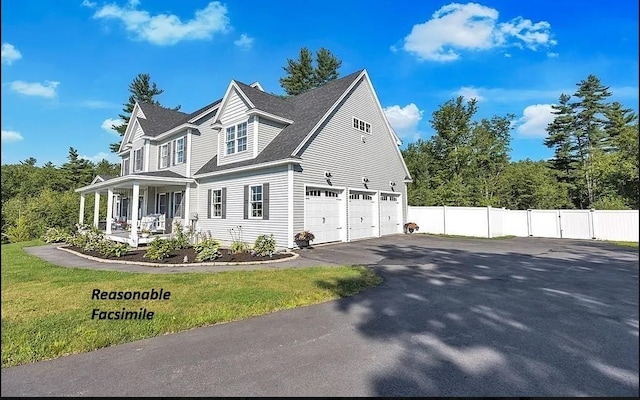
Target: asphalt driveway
[454,317]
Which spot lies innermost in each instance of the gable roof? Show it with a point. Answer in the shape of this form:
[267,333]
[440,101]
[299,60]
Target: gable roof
[305,109]
[159,119]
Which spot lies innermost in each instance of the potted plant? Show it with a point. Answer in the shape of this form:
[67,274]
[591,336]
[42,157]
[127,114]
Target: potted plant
[145,233]
[303,238]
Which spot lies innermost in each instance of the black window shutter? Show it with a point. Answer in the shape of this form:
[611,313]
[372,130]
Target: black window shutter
[142,157]
[246,202]
[224,203]
[182,205]
[265,201]
[209,203]
[159,155]
[170,153]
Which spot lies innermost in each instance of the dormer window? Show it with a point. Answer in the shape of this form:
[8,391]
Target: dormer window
[236,138]
[361,125]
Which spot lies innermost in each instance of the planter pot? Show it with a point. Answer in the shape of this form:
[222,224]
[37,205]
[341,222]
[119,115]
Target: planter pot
[145,235]
[302,243]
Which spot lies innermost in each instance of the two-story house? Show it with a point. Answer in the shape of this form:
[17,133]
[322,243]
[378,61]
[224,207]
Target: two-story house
[326,160]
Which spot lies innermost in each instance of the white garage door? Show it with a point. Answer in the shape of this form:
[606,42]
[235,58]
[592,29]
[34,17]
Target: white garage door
[361,215]
[389,214]
[323,214]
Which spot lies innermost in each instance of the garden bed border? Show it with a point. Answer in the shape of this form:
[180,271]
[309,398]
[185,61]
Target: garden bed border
[194,264]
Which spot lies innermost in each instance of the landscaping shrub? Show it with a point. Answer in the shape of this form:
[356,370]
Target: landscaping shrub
[182,239]
[109,248]
[264,245]
[56,235]
[239,247]
[207,250]
[20,232]
[159,249]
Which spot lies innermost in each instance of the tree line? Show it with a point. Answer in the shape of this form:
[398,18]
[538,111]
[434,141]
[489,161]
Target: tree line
[466,162]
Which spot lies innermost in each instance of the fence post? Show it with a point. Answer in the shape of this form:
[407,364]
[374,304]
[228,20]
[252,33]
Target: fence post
[592,229]
[444,220]
[489,222]
[529,233]
[559,224]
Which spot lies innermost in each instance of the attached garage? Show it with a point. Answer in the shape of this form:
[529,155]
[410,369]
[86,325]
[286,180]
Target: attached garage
[362,215]
[390,214]
[323,214]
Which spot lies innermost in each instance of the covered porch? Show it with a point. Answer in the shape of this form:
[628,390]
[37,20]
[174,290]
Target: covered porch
[139,207]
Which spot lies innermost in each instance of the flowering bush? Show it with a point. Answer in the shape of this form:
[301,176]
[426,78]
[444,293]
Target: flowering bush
[304,236]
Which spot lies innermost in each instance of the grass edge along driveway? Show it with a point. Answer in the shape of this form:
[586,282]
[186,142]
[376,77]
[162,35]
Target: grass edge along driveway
[47,309]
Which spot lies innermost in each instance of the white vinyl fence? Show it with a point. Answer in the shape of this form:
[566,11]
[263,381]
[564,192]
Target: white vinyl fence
[494,222]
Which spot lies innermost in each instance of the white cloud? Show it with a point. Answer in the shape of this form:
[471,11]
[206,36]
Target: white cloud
[167,29]
[244,42]
[9,54]
[404,120]
[472,26]
[48,89]
[553,55]
[87,3]
[534,120]
[109,122]
[99,157]
[469,92]
[11,136]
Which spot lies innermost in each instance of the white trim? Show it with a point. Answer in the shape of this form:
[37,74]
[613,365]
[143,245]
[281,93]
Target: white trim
[290,206]
[170,132]
[127,132]
[326,115]
[99,177]
[255,135]
[186,210]
[146,154]
[268,115]
[173,204]
[205,112]
[343,212]
[250,210]
[235,138]
[247,168]
[122,164]
[257,85]
[131,177]
[187,150]
[174,156]
[227,94]
[386,121]
[320,186]
[213,210]
[157,203]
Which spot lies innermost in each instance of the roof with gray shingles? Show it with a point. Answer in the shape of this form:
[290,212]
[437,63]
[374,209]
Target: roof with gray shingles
[160,119]
[305,109]
[163,174]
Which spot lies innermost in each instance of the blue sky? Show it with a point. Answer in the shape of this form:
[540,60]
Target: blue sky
[66,65]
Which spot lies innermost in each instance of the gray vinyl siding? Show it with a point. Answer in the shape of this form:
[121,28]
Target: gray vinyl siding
[204,143]
[180,168]
[267,130]
[235,113]
[338,148]
[138,132]
[252,228]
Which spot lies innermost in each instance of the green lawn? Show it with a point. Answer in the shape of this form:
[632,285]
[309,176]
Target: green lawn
[46,309]
[625,244]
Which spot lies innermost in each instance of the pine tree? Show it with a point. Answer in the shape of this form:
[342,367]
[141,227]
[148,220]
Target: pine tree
[77,171]
[143,91]
[327,66]
[561,136]
[302,75]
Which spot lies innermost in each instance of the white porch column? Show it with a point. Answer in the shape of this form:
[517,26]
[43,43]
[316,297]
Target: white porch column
[185,208]
[109,209]
[96,210]
[81,217]
[134,214]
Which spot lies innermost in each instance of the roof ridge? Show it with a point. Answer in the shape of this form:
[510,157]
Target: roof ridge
[276,96]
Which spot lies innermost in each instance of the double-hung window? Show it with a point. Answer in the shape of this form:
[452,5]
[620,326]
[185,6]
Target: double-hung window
[178,151]
[216,203]
[256,201]
[177,204]
[164,155]
[236,138]
[125,166]
[137,160]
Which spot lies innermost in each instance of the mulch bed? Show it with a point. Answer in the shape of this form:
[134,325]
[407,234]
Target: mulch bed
[177,256]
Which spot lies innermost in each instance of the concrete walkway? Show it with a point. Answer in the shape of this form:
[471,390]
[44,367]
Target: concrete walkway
[65,259]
